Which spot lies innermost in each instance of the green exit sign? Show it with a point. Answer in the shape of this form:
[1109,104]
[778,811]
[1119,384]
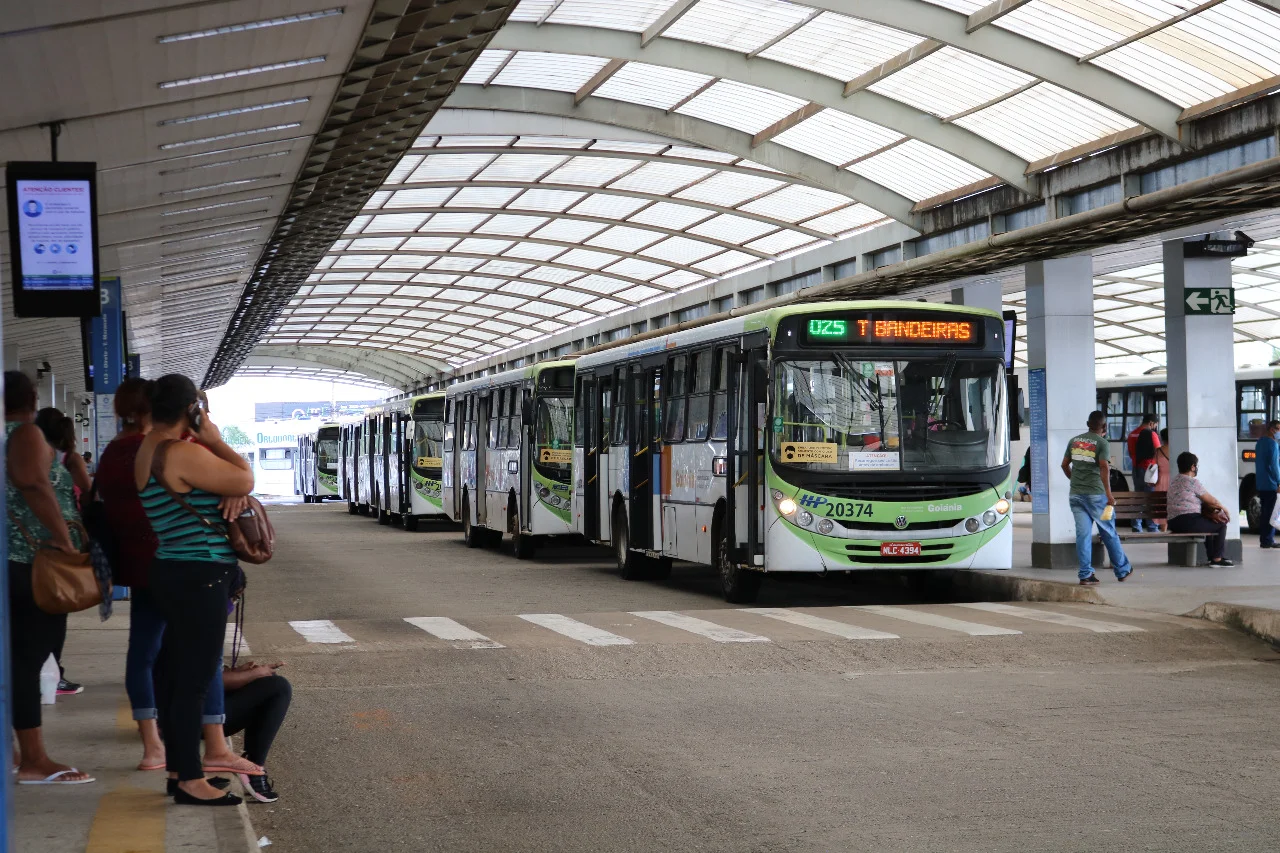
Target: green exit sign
[825,328]
[1209,300]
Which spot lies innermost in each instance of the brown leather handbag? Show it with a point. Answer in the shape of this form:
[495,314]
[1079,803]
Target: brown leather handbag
[61,582]
[251,536]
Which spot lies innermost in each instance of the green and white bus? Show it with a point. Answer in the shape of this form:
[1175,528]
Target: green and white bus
[397,460]
[508,456]
[317,469]
[821,437]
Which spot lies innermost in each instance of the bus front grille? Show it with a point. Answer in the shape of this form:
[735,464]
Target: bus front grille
[898,491]
[872,526]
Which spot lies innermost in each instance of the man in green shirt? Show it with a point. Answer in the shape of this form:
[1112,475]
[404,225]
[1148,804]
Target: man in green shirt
[1087,463]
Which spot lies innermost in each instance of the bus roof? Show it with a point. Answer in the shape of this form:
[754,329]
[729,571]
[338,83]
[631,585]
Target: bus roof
[527,372]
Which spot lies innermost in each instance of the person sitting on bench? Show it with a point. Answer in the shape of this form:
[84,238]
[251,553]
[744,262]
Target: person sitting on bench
[1194,510]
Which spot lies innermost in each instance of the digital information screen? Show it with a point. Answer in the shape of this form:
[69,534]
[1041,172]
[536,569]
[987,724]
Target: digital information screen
[53,238]
[929,330]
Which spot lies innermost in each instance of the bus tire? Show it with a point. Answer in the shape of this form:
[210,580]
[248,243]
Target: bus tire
[737,585]
[351,508]
[409,521]
[631,566]
[523,545]
[470,536]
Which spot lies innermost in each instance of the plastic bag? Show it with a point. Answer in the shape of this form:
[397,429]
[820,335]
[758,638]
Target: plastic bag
[1275,516]
[1151,475]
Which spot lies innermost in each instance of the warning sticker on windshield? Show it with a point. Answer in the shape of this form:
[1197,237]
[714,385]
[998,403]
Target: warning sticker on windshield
[546,454]
[808,451]
[428,462]
[873,460]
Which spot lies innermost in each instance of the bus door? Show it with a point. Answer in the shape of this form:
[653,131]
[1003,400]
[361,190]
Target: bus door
[527,443]
[459,442]
[646,451]
[590,458]
[748,396]
[482,457]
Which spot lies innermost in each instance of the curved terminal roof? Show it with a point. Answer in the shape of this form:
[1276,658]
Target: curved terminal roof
[715,136]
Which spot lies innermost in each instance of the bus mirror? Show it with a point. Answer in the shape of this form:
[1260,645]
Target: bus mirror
[526,411]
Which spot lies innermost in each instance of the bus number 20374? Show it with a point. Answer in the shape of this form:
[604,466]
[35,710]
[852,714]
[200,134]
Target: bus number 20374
[836,509]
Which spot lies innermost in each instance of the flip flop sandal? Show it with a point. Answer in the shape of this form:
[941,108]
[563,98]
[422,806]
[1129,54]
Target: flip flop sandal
[222,768]
[56,779]
[149,767]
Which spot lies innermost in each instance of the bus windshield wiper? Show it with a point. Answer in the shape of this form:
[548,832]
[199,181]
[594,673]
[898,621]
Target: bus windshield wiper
[876,403]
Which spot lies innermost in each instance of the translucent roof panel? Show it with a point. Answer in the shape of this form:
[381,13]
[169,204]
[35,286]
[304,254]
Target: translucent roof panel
[839,46]
[559,71]
[740,25]
[651,85]
[742,107]
[628,15]
[1044,120]
[918,171]
[836,137]
[951,81]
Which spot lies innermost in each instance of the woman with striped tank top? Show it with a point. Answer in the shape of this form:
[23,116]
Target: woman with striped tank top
[201,487]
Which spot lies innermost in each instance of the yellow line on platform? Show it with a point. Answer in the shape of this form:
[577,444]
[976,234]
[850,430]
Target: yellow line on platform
[124,715]
[128,820]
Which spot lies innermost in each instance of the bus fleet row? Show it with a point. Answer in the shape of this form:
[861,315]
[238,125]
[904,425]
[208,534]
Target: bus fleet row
[818,437]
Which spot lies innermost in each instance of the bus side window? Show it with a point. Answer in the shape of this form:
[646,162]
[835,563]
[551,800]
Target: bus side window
[470,415]
[494,418]
[620,386]
[720,395]
[606,411]
[700,402]
[578,421]
[677,388]
[448,422]
[1251,406]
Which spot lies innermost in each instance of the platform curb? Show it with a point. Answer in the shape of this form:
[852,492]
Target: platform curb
[1257,622]
[1010,587]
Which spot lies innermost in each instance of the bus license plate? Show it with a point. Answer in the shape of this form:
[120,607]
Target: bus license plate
[899,549]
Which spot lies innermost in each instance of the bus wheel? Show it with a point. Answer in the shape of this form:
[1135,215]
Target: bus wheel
[472,537]
[351,508]
[409,521]
[631,566]
[737,585]
[523,544]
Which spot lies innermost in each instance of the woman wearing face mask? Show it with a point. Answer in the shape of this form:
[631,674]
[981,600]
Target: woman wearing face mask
[197,489]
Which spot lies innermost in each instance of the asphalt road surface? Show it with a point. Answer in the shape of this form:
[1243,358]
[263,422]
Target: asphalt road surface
[460,700]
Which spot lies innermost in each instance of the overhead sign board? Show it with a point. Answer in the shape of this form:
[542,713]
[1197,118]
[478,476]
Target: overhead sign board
[1209,300]
[53,238]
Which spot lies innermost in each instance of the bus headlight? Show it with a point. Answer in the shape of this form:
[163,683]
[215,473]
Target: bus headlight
[805,518]
[825,526]
[786,506]
[989,517]
[777,494]
[1002,506]
[544,492]
[972,525]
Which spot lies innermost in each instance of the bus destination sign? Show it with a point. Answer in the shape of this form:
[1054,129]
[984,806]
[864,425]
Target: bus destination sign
[900,329]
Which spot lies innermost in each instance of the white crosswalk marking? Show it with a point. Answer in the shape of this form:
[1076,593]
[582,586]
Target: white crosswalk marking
[576,630]
[320,631]
[701,627]
[459,635]
[924,617]
[826,626]
[1096,625]
[228,642]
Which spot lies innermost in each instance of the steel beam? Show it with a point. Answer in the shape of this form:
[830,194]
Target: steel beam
[782,125]
[399,372]
[928,47]
[689,130]
[776,76]
[597,80]
[989,13]
[669,17]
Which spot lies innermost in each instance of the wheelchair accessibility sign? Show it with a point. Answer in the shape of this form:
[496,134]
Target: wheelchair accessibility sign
[799,452]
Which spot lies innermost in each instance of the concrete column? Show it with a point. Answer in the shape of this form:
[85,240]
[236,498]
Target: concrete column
[48,390]
[1201,379]
[979,294]
[1061,391]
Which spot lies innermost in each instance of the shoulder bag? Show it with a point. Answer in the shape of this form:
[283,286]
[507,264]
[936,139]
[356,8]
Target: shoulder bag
[251,535]
[61,582]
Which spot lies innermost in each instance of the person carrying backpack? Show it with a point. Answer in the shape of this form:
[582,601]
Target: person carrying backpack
[1143,443]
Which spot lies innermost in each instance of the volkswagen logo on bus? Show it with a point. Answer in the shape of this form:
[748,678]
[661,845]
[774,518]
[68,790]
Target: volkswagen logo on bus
[900,522]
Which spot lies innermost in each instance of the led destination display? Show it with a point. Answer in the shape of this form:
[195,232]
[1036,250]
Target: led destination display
[894,329]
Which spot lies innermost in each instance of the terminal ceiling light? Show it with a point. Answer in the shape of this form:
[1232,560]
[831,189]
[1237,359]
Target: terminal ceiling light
[287,126]
[218,186]
[219,204]
[233,111]
[232,162]
[252,25]
[241,72]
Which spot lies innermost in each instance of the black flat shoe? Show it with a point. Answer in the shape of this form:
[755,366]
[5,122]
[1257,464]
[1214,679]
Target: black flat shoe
[182,798]
[216,781]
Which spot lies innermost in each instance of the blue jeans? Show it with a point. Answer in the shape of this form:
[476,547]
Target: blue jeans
[1140,485]
[146,630]
[1267,535]
[1087,510]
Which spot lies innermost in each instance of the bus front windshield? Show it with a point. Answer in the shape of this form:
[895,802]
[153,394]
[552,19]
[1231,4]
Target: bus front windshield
[327,455]
[554,434]
[865,416]
[428,441]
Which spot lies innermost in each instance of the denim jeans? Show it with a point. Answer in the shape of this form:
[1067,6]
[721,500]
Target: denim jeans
[1141,485]
[1087,510]
[1267,535]
[146,630]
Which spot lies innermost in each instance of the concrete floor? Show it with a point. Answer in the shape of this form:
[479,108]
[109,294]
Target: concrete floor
[1055,738]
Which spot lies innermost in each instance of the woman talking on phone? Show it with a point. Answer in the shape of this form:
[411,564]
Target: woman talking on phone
[189,491]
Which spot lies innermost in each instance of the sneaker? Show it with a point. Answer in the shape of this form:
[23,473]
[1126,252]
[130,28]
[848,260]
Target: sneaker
[1092,580]
[259,788]
[1222,564]
[1124,577]
[69,688]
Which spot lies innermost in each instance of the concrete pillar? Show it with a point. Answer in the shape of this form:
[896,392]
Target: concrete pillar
[48,390]
[1061,392]
[979,294]
[1201,380]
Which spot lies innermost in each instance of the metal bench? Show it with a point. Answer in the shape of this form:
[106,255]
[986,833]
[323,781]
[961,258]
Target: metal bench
[1185,549]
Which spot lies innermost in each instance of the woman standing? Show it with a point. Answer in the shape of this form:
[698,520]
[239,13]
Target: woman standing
[194,566]
[1194,510]
[40,499]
